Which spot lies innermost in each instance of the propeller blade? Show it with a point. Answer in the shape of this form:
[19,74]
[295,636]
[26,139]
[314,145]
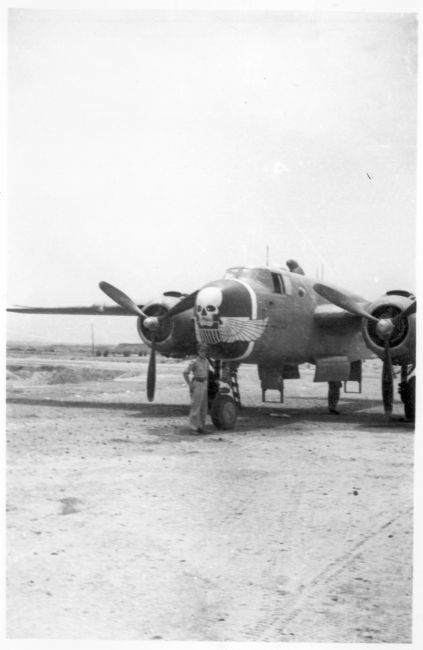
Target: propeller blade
[411,309]
[121,298]
[151,372]
[341,300]
[183,305]
[152,322]
[387,381]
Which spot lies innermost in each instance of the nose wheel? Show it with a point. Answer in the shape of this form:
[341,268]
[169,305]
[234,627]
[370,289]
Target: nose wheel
[224,412]
[224,407]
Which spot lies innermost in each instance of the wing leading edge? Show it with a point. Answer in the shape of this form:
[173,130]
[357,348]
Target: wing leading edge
[93,310]
[333,317]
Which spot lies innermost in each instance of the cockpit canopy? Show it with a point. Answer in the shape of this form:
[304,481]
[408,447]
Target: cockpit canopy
[271,280]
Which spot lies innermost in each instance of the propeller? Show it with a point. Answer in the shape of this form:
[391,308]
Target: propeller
[411,309]
[151,322]
[182,305]
[121,298]
[151,372]
[387,381]
[341,300]
[385,328]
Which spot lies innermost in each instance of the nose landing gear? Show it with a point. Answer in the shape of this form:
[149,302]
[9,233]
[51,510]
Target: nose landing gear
[224,412]
[223,407]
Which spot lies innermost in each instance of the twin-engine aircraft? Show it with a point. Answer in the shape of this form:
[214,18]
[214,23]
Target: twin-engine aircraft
[276,319]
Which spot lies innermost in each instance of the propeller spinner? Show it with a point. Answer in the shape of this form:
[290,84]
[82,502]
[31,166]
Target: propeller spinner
[385,327]
[150,322]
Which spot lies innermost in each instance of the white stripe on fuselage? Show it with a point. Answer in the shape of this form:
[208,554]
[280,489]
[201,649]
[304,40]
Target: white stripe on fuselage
[253,316]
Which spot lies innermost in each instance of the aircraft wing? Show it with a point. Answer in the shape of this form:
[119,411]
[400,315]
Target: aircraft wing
[333,317]
[93,310]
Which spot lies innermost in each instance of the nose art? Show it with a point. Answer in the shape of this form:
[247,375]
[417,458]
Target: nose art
[228,326]
[226,298]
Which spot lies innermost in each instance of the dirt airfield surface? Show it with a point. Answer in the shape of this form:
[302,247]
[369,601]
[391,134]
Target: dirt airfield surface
[122,525]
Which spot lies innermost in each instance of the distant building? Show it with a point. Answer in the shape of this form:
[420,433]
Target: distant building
[140,349]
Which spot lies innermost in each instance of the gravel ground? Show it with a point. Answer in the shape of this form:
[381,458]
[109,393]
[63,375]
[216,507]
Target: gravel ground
[122,525]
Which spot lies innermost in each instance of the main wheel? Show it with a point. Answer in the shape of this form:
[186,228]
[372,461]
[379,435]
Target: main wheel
[387,387]
[224,412]
[409,398]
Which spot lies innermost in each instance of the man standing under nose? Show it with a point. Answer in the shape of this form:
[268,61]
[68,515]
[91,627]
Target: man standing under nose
[199,368]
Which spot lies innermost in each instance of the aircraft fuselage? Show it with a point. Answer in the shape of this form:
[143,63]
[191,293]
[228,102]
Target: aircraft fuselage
[267,316]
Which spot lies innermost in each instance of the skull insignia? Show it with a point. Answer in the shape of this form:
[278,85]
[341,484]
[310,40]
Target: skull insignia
[207,307]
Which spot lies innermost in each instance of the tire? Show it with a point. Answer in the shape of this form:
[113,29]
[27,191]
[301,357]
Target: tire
[224,412]
[410,399]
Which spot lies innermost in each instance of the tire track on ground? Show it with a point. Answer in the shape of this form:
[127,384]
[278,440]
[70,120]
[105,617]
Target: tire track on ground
[276,626]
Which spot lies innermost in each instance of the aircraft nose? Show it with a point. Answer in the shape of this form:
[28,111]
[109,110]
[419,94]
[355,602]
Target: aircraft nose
[221,310]
[225,298]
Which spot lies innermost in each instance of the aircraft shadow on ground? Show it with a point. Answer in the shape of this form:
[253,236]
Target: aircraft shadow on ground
[249,417]
[162,410]
[151,410]
[353,403]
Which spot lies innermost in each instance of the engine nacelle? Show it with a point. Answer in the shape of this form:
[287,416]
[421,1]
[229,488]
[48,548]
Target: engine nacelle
[175,336]
[403,339]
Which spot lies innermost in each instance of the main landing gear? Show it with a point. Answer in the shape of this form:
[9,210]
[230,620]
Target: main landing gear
[407,391]
[224,408]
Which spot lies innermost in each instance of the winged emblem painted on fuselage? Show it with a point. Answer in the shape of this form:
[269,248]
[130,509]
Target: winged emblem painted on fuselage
[231,329]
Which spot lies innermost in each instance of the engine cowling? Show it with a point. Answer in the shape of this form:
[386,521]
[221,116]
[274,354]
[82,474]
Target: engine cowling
[175,336]
[402,342]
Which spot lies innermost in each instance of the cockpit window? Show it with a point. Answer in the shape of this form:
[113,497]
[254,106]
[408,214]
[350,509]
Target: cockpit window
[273,282]
[277,283]
[231,273]
[265,278]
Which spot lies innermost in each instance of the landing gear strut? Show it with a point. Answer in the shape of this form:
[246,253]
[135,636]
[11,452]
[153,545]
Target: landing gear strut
[213,383]
[407,391]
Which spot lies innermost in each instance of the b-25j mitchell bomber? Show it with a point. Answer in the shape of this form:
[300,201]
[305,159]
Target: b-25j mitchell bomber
[277,320]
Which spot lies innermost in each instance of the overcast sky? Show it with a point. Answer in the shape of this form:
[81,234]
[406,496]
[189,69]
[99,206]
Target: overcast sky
[154,149]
